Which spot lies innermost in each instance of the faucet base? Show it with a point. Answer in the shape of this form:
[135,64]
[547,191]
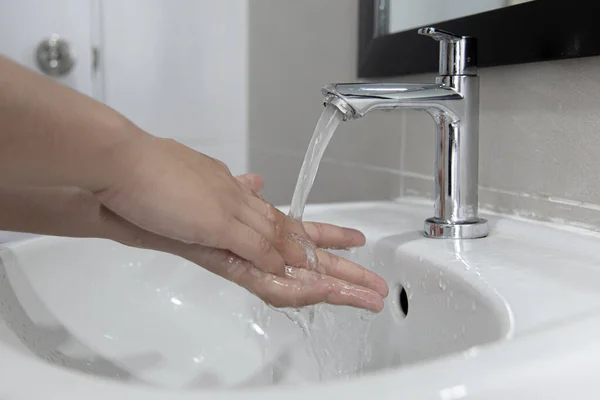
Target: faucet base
[436,228]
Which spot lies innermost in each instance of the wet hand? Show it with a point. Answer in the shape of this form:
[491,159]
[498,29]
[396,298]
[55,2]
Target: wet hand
[344,272]
[176,192]
[342,282]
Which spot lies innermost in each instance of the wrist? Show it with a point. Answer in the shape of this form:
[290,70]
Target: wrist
[118,156]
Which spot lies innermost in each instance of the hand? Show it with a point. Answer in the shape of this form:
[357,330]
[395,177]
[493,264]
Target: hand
[75,212]
[326,236]
[342,283]
[58,141]
[176,192]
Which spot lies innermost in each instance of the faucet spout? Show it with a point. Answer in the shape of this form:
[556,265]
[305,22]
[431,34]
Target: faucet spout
[356,100]
[453,103]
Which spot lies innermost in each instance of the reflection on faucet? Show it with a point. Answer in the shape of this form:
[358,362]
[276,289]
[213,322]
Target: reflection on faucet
[453,103]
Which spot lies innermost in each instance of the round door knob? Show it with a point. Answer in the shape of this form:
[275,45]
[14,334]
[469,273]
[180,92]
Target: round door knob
[54,56]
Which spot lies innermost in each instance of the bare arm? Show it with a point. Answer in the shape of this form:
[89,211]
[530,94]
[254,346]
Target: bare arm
[84,170]
[78,213]
[52,135]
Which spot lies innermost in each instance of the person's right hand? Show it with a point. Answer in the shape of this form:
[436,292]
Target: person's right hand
[69,211]
[341,282]
[176,192]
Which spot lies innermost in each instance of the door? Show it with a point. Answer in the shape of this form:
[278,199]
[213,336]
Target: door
[25,24]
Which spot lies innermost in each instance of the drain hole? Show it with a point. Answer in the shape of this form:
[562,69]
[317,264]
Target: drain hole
[403,301]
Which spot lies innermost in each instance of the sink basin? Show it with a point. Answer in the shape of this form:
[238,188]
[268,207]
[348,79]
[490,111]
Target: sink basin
[88,317]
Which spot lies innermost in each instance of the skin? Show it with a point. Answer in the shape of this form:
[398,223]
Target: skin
[71,166]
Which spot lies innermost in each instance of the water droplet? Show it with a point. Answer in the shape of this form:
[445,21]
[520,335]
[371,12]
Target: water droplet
[176,301]
[472,352]
[198,359]
[442,285]
[473,306]
[407,284]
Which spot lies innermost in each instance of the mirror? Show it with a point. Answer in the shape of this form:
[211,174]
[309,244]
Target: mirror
[507,32]
[403,15]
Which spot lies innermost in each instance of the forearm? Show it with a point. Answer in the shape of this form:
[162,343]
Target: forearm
[53,135]
[73,212]
[76,212]
[59,211]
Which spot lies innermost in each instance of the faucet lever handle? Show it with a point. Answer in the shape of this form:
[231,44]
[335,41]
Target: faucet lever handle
[458,54]
[439,35]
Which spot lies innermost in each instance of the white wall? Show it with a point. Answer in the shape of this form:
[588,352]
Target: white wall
[179,69]
[296,47]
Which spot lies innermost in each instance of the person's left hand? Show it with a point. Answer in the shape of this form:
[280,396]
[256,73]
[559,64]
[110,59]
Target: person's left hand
[327,236]
[335,281]
[338,281]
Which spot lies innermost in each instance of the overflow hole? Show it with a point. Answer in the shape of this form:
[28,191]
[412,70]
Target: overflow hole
[403,301]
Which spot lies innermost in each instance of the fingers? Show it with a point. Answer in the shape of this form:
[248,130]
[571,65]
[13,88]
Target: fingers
[345,270]
[258,204]
[253,182]
[284,234]
[289,237]
[301,287]
[249,244]
[334,237]
[305,288]
[271,231]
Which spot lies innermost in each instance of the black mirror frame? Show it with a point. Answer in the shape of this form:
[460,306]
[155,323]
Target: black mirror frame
[540,30]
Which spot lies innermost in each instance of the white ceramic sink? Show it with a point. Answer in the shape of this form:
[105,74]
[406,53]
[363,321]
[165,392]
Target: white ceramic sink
[91,319]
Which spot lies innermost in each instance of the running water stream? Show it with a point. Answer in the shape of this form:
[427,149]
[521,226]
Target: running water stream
[336,336]
[330,118]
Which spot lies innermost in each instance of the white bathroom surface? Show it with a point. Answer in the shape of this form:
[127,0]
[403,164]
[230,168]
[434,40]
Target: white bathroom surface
[514,315]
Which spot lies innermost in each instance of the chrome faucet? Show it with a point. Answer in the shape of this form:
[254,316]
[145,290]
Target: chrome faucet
[453,102]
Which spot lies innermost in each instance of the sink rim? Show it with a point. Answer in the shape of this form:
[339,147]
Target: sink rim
[49,377]
[453,371]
